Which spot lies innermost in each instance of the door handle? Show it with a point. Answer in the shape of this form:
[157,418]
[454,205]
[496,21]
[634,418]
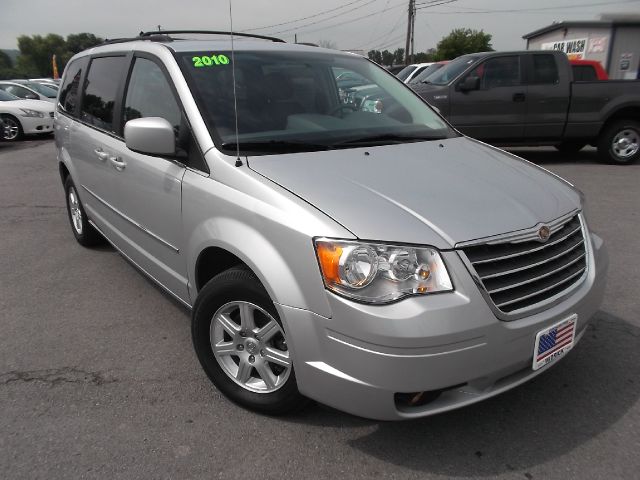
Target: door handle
[519,97]
[118,163]
[101,154]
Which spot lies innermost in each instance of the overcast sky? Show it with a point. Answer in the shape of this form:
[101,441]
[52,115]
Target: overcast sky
[349,24]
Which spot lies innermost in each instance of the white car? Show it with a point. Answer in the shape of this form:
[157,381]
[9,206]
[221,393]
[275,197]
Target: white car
[31,91]
[24,117]
[410,71]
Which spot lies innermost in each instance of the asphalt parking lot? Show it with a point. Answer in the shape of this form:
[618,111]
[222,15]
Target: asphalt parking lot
[98,378]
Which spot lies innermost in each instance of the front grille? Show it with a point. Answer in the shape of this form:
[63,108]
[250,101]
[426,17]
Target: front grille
[519,275]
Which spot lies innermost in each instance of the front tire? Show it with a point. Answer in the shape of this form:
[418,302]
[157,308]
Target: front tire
[241,344]
[619,144]
[12,128]
[85,234]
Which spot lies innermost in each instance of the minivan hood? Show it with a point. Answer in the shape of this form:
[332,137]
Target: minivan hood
[438,192]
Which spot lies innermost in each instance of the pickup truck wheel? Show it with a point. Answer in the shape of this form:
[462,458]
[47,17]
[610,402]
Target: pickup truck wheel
[620,142]
[241,344]
[570,147]
[85,234]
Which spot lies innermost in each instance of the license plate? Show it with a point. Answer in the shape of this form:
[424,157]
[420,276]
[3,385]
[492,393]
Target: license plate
[553,342]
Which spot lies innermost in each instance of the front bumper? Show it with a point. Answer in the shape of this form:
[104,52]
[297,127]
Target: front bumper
[33,125]
[358,360]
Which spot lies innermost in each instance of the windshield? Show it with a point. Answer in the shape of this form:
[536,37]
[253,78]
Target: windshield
[290,101]
[7,97]
[405,72]
[42,89]
[452,69]
[426,72]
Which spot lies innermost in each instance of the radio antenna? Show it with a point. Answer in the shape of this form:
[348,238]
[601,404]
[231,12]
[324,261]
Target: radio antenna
[235,98]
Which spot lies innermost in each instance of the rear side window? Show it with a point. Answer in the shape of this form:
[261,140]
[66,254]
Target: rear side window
[101,86]
[584,73]
[70,89]
[149,94]
[545,70]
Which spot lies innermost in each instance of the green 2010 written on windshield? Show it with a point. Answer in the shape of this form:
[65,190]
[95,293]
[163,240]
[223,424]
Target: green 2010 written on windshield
[210,60]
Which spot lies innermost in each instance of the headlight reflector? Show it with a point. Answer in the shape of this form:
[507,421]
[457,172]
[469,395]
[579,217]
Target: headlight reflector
[380,273]
[31,113]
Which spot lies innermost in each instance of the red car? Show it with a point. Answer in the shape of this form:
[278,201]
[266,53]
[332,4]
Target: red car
[587,71]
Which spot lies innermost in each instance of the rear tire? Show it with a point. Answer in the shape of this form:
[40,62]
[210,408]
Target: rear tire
[12,128]
[85,234]
[619,143]
[234,316]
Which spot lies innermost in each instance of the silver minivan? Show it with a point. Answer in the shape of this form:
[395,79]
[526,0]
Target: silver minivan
[367,256]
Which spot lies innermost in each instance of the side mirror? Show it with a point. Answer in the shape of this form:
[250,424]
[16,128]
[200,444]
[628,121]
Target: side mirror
[31,96]
[150,135]
[469,84]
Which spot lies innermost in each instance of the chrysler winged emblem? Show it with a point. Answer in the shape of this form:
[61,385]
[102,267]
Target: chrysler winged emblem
[543,233]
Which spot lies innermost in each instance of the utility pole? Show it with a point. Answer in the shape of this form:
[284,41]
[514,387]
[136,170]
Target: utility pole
[411,21]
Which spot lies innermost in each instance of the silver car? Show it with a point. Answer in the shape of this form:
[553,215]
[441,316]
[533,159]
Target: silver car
[375,261]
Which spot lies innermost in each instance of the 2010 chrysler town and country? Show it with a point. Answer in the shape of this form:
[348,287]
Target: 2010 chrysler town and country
[368,257]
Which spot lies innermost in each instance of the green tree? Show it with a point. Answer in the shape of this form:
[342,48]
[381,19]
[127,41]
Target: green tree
[77,42]
[375,55]
[36,52]
[387,58]
[398,56]
[461,41]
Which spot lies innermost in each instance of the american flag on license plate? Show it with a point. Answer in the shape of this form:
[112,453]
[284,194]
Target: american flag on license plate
[554,340]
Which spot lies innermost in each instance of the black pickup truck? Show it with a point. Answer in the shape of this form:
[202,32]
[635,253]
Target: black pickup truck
[530,98]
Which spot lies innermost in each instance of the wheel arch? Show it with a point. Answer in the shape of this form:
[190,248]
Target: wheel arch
[628,112]
[222,243]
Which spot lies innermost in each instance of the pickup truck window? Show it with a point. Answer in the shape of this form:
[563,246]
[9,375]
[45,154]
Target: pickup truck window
[498,72]
[545,70]
[584,73]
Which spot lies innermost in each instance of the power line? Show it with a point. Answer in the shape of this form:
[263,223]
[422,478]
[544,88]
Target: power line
[315,22]
[317,14]
[346,21]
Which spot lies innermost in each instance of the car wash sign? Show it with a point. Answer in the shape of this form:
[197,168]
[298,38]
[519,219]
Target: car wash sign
[573,48]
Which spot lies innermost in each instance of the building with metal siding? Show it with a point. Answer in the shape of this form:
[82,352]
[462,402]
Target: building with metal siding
[612,41]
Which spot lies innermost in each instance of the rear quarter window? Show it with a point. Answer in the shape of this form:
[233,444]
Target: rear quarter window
[70,89]
[584,73]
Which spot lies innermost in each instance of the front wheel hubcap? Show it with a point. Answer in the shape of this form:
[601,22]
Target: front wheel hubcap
[626,143]
[250,347]
[10,129]
[74,211]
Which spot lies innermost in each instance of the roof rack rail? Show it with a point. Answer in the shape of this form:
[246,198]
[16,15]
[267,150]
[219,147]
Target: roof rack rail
[210,32]
[157,37]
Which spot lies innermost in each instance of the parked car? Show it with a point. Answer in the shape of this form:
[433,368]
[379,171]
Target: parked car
[380,263]
[394,69]
[410,71]
[422,76]
[587,71]
[530,98]
[20,117]
[30,91]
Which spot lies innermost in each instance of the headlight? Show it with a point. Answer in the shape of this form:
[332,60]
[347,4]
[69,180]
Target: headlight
[31,113]
[380,273]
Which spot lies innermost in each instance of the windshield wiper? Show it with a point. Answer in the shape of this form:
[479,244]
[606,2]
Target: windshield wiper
[275,146]
[388,138]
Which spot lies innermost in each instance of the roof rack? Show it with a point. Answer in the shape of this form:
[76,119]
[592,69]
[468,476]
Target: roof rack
[166,33]
[157,37]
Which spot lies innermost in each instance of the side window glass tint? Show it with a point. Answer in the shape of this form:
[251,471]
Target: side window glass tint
[545,70]
[498,72]
[70,88]
[149,95]
[584,73]
[101,86]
